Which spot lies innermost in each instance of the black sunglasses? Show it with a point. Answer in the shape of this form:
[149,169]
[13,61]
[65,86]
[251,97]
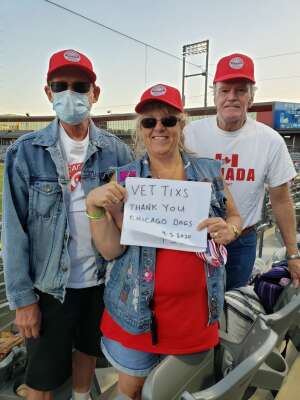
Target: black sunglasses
[167,122]
[79,87]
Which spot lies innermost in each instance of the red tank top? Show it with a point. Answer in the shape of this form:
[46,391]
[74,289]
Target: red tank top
[180,307]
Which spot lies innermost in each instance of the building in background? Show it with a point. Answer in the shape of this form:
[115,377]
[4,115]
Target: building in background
[283,117]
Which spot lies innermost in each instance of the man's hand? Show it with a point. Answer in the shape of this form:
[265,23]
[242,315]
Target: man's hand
[294,268]
[28,320]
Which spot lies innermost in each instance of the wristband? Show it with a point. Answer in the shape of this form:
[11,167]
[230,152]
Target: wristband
[293,257]
[97,215]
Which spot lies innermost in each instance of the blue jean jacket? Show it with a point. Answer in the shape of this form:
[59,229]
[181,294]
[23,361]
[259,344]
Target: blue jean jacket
[128,294]
[35,228]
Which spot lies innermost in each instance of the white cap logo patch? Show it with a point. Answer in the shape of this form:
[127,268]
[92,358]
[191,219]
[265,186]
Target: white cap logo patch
[236,63]
[72,55]
[158,90]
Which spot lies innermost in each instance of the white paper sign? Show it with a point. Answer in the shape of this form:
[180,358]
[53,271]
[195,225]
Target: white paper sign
[165,213]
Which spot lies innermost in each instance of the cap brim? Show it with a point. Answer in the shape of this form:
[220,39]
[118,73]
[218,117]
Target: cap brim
[233,77]
[90,73]
[139,107]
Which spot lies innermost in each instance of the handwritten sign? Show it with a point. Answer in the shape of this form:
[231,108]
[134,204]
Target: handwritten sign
[165,213]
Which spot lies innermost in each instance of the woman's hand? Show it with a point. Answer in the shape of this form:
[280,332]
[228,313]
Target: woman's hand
[221,231]
[109,196]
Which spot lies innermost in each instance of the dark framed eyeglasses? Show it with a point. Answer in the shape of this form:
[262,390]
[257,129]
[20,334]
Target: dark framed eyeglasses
[167,122]
[79,87]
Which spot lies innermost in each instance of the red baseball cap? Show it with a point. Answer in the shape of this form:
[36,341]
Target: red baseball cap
[162,93]
[67,58]
[235,66]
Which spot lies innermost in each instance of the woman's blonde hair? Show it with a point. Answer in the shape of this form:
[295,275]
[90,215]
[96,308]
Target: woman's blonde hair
[138,142]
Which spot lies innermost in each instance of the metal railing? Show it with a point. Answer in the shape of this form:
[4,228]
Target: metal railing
[268,219]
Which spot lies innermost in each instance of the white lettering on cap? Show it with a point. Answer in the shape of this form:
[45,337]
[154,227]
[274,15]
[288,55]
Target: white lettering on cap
[236,63]
[158,90]
[72,55]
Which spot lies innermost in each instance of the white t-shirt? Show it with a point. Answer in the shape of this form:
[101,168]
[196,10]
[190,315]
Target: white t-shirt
[83,264]
[252,157]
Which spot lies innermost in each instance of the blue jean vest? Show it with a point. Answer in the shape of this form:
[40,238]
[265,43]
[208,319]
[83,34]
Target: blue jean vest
[128,294]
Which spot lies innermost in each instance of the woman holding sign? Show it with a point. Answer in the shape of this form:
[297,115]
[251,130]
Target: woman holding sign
[160,301]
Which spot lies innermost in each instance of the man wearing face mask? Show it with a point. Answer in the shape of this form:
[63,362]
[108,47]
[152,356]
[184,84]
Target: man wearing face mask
[54,276]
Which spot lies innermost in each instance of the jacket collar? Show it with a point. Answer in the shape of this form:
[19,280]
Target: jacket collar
[49,135]
[190,175]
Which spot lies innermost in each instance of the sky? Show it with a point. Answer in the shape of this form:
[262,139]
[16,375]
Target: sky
[32,30]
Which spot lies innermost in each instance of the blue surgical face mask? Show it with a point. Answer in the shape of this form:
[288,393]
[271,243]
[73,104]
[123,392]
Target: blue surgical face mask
[71,107]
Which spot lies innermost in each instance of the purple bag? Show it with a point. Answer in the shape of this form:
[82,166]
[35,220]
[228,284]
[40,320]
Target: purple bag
[269,285]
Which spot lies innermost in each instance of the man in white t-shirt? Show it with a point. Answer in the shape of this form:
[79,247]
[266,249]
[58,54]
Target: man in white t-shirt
[53,273]
[253,156]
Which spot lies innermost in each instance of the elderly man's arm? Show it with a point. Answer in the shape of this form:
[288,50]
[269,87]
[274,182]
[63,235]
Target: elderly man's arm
[19,287]
[283,210]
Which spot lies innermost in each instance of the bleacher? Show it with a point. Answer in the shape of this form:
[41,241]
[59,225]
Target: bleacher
[253,369]
[6,316]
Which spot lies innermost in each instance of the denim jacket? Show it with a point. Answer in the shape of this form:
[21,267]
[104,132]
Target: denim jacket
[128,291]
[35,229]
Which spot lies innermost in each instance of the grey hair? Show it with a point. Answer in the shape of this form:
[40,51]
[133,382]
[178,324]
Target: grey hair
[138,142]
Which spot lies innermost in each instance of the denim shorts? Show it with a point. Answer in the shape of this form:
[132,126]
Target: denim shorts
[131,362]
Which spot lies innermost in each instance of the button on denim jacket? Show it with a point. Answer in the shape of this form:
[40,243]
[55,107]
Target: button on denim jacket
[128,294]
[35,229]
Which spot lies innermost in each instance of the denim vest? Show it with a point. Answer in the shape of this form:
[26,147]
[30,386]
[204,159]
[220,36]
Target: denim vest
[128,294]
[36,196]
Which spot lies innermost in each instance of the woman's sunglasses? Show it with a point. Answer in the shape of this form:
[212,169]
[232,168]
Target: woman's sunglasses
[167,122]
[79,87]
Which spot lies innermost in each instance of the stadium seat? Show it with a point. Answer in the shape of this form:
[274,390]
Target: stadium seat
[178,373]
[285,317]
[294,322]
[273,371]
[265,370]
[249,355]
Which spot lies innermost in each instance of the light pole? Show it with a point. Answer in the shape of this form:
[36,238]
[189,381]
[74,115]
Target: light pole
[190,50]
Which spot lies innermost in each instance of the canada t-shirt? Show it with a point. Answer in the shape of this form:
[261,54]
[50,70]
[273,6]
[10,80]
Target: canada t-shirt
[83,263]
[252,157]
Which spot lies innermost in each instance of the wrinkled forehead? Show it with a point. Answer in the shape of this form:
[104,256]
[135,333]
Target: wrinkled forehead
[234,83]
[70,74]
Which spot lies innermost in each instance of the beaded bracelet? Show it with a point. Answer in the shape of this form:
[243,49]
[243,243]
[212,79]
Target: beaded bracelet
[99,214]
